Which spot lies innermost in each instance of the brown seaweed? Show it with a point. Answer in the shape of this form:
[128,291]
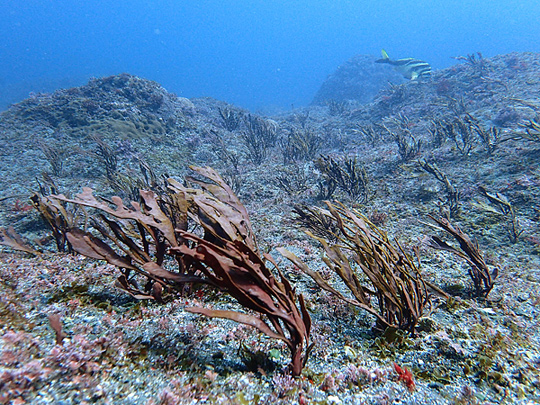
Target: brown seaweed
[140,237]
[483,279]
[394,280]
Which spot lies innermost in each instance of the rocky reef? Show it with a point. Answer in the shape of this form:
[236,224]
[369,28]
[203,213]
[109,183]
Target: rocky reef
[417,282]
[357,80]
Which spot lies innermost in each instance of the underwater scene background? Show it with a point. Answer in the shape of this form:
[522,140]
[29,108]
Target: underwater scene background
[255,54]
[269,202]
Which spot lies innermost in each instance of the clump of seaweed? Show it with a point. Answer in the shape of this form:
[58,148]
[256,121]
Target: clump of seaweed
[300,144]
[128,186]
[141,234]
[408,146]
[347,174]
[293,182]
[501,206]
[483,279]
[396,293]
[532,130]
[259,136]
[449,206]
[237,269]
[55,155]
[227,257]
[230,158]
[147,238]
[317,220]
[231,118]
[491,137]
[437,132]
[461,129]
[106,155]
[58,217]
[472,58]
[458,130]
[476,61]
[369,132]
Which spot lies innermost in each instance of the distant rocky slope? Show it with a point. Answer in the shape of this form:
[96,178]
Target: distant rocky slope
[98,134]
[489,88]
[134,117]
[358,79]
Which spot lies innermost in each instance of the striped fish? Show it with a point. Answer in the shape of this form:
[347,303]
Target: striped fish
[410,68]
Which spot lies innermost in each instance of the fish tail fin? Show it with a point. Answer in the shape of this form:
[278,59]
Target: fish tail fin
[385,57]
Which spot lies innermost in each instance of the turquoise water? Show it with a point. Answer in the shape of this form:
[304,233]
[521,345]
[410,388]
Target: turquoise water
[256,54]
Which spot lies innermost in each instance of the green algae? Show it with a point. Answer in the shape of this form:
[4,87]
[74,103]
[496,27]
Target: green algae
[393,341]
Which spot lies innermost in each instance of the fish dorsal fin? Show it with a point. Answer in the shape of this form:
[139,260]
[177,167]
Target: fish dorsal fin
[384,54]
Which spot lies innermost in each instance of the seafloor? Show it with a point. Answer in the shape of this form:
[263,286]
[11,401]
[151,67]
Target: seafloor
[118,350]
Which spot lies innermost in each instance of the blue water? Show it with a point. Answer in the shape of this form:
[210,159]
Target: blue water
[258,54]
